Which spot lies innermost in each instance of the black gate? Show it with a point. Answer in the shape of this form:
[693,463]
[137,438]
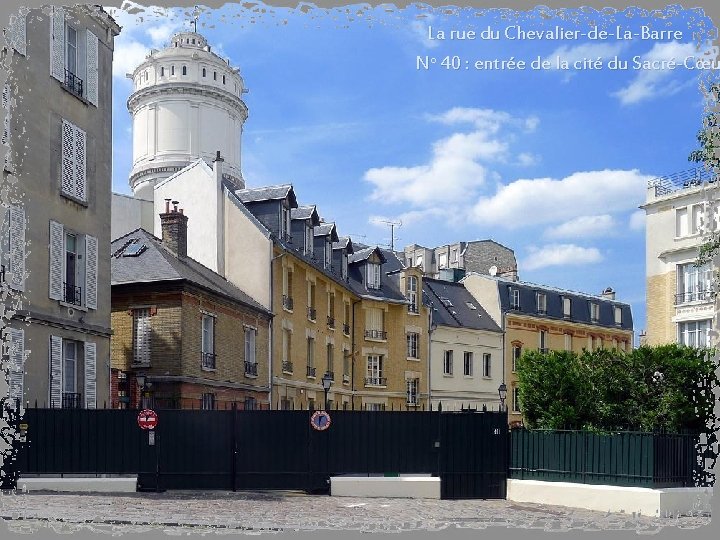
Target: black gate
[235,450]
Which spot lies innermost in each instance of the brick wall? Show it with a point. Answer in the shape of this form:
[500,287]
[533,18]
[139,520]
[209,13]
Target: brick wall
[660,308]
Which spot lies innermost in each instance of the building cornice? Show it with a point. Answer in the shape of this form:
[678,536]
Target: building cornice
[172,169]
[206,382]
[35,317]
[168,89]
[565,323]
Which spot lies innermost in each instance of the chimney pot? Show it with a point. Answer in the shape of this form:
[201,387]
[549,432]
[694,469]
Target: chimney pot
[182,211]
[167,206]
[175,203]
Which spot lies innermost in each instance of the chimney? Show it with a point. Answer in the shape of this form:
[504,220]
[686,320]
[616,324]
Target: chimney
[508,273]
[174,229]
[609,293]
[218,167]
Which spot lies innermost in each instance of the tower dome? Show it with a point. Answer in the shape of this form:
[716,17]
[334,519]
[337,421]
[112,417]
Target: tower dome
[186,104]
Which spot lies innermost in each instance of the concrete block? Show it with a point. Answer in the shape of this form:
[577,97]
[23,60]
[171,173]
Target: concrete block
[122,484]
[410,486]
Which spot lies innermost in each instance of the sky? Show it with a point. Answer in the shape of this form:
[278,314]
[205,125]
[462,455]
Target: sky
[373,117]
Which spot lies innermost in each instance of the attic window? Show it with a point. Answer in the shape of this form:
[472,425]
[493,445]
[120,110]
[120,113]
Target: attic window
[132,249]
[446,301]
[470,305]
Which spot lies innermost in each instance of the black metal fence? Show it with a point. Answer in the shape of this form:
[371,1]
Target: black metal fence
[270,449]
[651,460]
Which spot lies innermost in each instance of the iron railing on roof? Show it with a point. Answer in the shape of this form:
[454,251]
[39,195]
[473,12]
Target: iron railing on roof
[664,185]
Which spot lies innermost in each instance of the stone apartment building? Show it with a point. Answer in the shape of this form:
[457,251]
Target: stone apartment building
[59,88]
[680,209]
[199,341]
[539,317]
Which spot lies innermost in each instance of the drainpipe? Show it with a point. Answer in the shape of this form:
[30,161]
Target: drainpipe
[430,333]
[352,354]
[271,327]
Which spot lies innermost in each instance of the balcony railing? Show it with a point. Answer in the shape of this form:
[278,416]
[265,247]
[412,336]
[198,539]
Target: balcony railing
[287,367]
[375,381]
[73,83]
[515,306]
[208,360]
[413,308]
[375,334]
[71,400]
[287,302]
[310,371]
[346,378]
[695,296]
[251,368]
[331,322]
[73,294]
[412,400]
[312,314]
[346,329]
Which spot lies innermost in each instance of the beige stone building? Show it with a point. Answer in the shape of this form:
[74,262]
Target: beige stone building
[59,89]
[680,209]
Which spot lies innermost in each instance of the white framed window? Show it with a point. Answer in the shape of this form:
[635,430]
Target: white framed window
[567,305]
[73,174]
[73,267]
[374,324]
[448,363]
[328,252]
[71,46]
[70,359]
[74,57]
[442,261]
[412,389]
[207,341]
[694,333]
[413,342]
[514,298]
[693,283]
[516,399]
[681,222]
[541,300]
[412,286]
[468,363]
[516,354]
[487,365]
[688,220]
[250,339]
[618,315]
[142,331]
[374,374]
[594,311]
[373,275]
[208,401]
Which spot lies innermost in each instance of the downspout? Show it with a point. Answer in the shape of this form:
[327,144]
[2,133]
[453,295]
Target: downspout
[430,333]
[272,325]
[352,354]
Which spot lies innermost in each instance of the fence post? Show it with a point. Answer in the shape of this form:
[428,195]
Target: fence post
[233,426]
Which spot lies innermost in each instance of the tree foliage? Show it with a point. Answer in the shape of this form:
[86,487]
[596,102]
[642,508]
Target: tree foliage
[664,388]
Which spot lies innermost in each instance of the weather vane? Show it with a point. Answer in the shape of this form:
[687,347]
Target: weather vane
[196,17]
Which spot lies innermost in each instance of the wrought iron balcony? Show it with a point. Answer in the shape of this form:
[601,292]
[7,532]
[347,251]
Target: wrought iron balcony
[251,368]
[694,296]
[412,400]
[287,367]
[331,322]
[73,294]
[208,360]
[310,371]
[375,381]
[346,329]
[413,308]
[312,313]
[71,400]
[375,334]
[287,302]
[73,83]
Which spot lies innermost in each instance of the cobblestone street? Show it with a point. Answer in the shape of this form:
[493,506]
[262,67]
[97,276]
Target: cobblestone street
[257,512]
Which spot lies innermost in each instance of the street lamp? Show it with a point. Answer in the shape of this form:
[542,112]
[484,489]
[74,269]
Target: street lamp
[326,382]
[140,378]
[502,392]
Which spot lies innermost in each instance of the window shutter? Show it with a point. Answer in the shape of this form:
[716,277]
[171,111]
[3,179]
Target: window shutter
[7,113]
[17,363]
[18,32]
[92,68]
[57,44]
[57,245]
[55,371]
[91,262]
[67,174]
[80,170]
[90,375]
[17,248]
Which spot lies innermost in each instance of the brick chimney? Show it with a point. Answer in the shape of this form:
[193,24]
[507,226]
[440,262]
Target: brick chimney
[609,293]
[174,229]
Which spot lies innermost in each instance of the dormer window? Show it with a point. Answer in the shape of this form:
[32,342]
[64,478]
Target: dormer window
[541,303]
[285,222]
[566,306]
[594,312]
[344,265]
[514,299]
[373,276]
[328,253]
[309,239]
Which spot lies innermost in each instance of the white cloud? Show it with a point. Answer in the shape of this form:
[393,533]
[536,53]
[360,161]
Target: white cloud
[419,31]
[560,255]
[526,159]
[587,50]
[127,56]
[547,200]
[650,83]
[583,227]
[637,220]
[410,218]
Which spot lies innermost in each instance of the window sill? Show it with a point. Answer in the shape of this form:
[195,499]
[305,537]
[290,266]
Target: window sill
[74,199]
[72,306]
[286,310]
[375,386]
[203,368]
[250,376]
[312,320]
[414,314]
[411,359]
[285,372]
[311,377]
[468,377]
[75,95]
[376,340]
[487,377]
[447,375]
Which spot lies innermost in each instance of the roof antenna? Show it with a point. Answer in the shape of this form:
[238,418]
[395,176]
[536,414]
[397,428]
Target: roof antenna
[392,225]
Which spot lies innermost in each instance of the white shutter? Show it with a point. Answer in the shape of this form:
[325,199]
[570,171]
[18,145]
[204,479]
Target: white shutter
[16,341]
[57,43]
[57,246]
[18,32]
[80,170]
[92,68]
[91,263]
[90,375]
[56,371]
[6,112]
[67,173]
[17,248]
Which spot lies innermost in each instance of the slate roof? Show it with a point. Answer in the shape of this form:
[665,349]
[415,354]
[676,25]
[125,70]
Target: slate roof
[363,253]
[325,229]
[267,193]
[344,242]
[158,264]
[389,284]
[305,212]
[451,303]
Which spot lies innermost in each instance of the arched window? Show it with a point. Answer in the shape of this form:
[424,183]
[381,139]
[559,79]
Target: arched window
[172,70]
[203,72]
[223,79]
[162,71]
[193,41]
[214,75]
[184,70]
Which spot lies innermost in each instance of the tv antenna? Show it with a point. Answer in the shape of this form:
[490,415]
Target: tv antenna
[392,225]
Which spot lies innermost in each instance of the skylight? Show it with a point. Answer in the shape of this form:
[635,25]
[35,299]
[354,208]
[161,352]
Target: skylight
[446,301]
[132,249]
[470,305]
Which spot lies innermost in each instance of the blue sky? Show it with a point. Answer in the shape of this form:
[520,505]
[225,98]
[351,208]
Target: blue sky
[552,163]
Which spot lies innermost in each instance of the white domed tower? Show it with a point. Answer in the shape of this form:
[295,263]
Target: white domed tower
[186,104]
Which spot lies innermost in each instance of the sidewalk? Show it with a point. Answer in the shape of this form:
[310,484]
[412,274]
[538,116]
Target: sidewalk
[282,511]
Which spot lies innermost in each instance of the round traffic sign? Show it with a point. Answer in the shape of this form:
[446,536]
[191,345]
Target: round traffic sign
[147,419]
[320,420]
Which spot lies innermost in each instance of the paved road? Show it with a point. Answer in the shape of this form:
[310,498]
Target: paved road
[283,511]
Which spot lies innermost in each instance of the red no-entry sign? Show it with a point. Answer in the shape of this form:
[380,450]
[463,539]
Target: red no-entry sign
[147,419]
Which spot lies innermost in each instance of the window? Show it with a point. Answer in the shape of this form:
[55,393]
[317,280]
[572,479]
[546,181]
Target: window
[344,264]
[693,283]
[312,313]
[346,323]
[568,342]
[287,366]
[468,363]
[330,360]
[286,404]
[250,357]
[687,220]
[328,252]
[413,339]
[373,276]
[516,399]
[543,341]
[454,256]
[618,316]
[12,247]
[214,75]
[567,304]
[172,70]
[374,375]
[594,311]
[73,267]
[208,401]
[375,407]
[694,333]
[184,71]
[287,300]
[162,71]
[412,294]
[284,223]
[442,261]
[374,324]
[141,336]
[419,262]
[448,363]
[516,354]
[412,386]
[73,176]
[223,79]
[514,298]
[541,300]
[71,45]
[78,73]
[311,357]
[309,239]
[204,72]
[331,309]
[250,404]
[208,342]
[487,365]
[346,365]
[70,358]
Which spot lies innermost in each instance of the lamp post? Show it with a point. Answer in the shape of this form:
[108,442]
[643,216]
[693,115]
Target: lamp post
[502,392]
[326,382]
[140,378]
